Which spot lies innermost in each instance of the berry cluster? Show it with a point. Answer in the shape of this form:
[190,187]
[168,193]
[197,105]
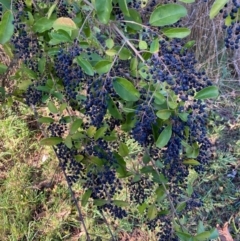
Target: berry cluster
[142,132]
[231,25]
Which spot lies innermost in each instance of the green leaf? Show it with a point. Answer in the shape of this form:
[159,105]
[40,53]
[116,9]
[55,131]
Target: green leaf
[42,25]
[68,141]
[187,1]
[164,137]
[159,98]
[125,89]
[85,197]
[183,116]
[189,44]
[79,158]
[75,125]
[111,52]
[191,162]
[6,27]
[134,17]
[164,114]
[58,37]
[213,233]
[109,43]
[103,9]
[85,65]
[62,107]
[216,7]
[123,150]
[100,132]
[176,32]
[45,120]
[128,110]
[154,47]
[65,24]
[51,9]
[103,66]
[152,212]
[142,207]
[133,66]
[6,4]
[91,131]
[51,141]
[172,104]
[167,14]
[28,3]
[52,107]
[192,151]
[200,227]
[41,65]
[184,236]
[160,192]
[3,68]
[124,7]
[228,20]
[100,202]
[181,206]
[120,203]
[142,45]
[124,54]
[202,236]
[208,92]
[112,108]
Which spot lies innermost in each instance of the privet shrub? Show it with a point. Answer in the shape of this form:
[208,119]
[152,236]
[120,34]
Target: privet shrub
[109,71]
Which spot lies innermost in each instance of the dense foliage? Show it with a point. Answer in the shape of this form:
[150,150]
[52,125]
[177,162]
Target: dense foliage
[108,71]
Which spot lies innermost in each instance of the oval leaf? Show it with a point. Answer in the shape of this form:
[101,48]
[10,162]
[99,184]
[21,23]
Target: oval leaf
[45,120]
[64,24]
[164,137]
[42,25]
[103,9]
[152,212]
[208,92]
[52,107]
[120,203]
[103,66]
[164,114]
[75,125]
[85,197]
[191,162]
[51,141]
[124,7]
[216,7]
[85,65]
[167,14]
[125,89]
[134,16]
[123,150]
[6,27]
[177,32]
[154,47]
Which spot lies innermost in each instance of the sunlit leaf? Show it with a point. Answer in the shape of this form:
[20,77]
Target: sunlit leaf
[216,7]
[167,14]
[125,89]
[208,92]
[6,27]
[164,137]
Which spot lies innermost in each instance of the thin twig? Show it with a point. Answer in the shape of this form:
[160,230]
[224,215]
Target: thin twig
[128,42]
[85,20]
[108,226]
[174,212]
